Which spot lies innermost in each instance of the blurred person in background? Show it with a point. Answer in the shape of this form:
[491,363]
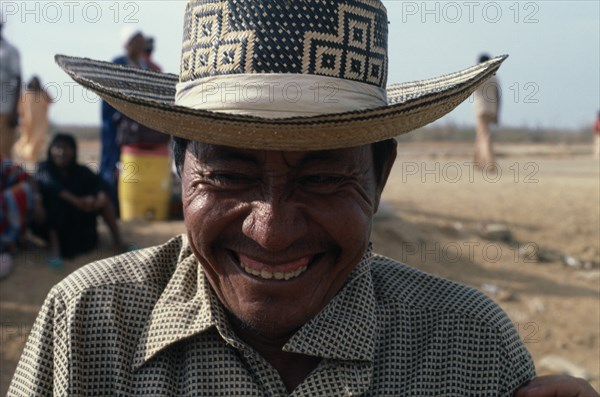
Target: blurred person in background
[140,144]
[597,137]
[10,88]
[487,112]
[73,197]
[133,42]
[33,111]
[19,204]
[148,50]
[175,210]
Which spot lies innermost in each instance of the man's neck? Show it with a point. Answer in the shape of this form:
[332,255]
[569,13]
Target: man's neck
[293,368]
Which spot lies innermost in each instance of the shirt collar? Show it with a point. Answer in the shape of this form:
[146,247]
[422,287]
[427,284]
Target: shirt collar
[183,309]
[345,329]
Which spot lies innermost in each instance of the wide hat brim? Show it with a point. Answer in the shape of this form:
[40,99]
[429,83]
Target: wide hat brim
[149,98]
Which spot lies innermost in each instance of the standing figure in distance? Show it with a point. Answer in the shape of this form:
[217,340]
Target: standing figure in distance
[487,112]
[133,43]
[33,110]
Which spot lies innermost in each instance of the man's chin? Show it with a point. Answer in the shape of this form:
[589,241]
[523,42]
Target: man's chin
[267,326]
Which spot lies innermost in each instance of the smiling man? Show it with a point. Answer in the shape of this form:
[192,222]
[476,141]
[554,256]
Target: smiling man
[279,233]
[274,290]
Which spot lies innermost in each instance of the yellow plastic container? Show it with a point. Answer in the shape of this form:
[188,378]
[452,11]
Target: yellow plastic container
[144,183]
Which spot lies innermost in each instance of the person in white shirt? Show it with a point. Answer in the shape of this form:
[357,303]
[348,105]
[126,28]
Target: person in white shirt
[487,110]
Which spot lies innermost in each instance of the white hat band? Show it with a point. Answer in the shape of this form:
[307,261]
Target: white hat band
[278,95]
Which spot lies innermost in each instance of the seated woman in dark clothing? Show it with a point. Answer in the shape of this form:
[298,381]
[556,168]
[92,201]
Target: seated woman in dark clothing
[73,197]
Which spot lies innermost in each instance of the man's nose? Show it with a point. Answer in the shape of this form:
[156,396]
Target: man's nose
[275,223]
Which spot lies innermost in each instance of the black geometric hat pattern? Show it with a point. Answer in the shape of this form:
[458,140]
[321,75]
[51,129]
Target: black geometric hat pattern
[341,39]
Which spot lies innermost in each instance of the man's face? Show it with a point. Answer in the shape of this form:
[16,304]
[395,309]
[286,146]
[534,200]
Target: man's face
[136,46]
[277,233]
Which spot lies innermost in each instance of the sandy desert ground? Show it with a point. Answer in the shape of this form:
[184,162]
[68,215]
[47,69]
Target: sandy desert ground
[528,236]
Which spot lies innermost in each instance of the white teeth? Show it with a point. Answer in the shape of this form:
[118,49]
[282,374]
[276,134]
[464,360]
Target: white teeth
[267,275]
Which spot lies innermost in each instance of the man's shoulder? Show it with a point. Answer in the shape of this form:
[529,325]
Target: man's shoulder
[443,325]
[403,288]
[147,270]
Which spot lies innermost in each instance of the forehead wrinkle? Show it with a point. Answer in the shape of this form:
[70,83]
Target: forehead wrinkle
[207,153]
[335,156]
[351,159]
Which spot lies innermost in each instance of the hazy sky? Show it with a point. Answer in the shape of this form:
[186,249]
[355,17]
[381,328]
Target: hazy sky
[551,79]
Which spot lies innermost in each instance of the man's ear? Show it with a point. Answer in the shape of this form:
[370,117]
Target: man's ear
[386,169]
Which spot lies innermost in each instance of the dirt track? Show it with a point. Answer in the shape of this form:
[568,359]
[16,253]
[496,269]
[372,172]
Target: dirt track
[437,213]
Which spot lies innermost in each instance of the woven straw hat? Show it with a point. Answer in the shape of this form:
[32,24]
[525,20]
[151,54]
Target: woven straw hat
[280,75]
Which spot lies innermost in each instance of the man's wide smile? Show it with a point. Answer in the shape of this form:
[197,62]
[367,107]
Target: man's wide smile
[281,270]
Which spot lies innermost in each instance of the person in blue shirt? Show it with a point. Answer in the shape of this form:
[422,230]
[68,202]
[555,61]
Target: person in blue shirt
[133,42]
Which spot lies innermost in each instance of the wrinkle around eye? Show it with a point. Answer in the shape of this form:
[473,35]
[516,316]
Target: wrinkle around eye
[357,186]
[323,180]
[335,184]
[226,180]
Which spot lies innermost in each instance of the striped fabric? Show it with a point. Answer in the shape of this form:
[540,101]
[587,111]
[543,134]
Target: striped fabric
[16,203]
[148,324]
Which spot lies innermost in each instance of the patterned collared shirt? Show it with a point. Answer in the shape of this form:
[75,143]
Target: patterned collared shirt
[148,324]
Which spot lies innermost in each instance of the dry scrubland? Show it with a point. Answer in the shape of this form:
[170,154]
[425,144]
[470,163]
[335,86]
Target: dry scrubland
[528,237]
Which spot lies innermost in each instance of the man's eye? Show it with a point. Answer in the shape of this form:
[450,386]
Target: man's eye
[230,178]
